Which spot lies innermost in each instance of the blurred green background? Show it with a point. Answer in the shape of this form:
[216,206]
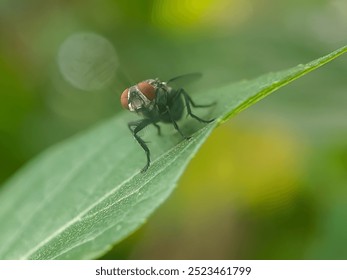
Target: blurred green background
[269,184]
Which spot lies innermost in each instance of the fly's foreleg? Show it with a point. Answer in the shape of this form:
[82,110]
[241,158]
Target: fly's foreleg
[135,127]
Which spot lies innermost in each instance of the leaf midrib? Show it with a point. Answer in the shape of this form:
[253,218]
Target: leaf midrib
[94,205]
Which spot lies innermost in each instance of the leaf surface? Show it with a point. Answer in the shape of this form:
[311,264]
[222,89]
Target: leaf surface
[80,197]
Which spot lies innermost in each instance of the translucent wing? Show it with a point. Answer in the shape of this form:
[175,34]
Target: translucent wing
[182,80]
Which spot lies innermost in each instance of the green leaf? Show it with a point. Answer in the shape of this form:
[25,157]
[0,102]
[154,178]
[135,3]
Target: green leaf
[80,197]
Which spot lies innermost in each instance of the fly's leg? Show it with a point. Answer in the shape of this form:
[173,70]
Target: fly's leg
[158,128]
[194,104]
[175,123]
[135,127]
[188,100]
[153,121]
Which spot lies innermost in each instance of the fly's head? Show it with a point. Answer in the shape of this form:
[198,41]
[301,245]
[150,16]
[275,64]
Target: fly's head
[139,97]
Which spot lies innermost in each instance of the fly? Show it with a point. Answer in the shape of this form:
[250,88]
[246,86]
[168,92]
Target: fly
[158,101]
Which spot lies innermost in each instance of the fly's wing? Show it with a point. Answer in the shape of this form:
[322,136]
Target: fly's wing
[182,80]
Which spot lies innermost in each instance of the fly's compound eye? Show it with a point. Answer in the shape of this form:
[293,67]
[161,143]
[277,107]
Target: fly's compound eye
[138,97]
[147,90]
[124,99]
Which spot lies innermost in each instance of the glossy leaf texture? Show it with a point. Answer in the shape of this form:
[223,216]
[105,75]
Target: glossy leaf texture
[82,196]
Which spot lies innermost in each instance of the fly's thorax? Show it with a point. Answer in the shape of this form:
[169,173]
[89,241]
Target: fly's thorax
[157,84]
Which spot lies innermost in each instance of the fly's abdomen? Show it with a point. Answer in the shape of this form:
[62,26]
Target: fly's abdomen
[176,107]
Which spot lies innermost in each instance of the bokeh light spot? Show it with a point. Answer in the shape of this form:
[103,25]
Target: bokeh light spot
[88,61]
[198,15]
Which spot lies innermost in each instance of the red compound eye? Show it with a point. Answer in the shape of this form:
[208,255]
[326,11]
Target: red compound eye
[124,99]
[147,89]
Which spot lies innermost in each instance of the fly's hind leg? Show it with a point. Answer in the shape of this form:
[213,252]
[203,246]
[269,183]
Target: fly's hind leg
[194,104]
[135,127]
[189,102]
